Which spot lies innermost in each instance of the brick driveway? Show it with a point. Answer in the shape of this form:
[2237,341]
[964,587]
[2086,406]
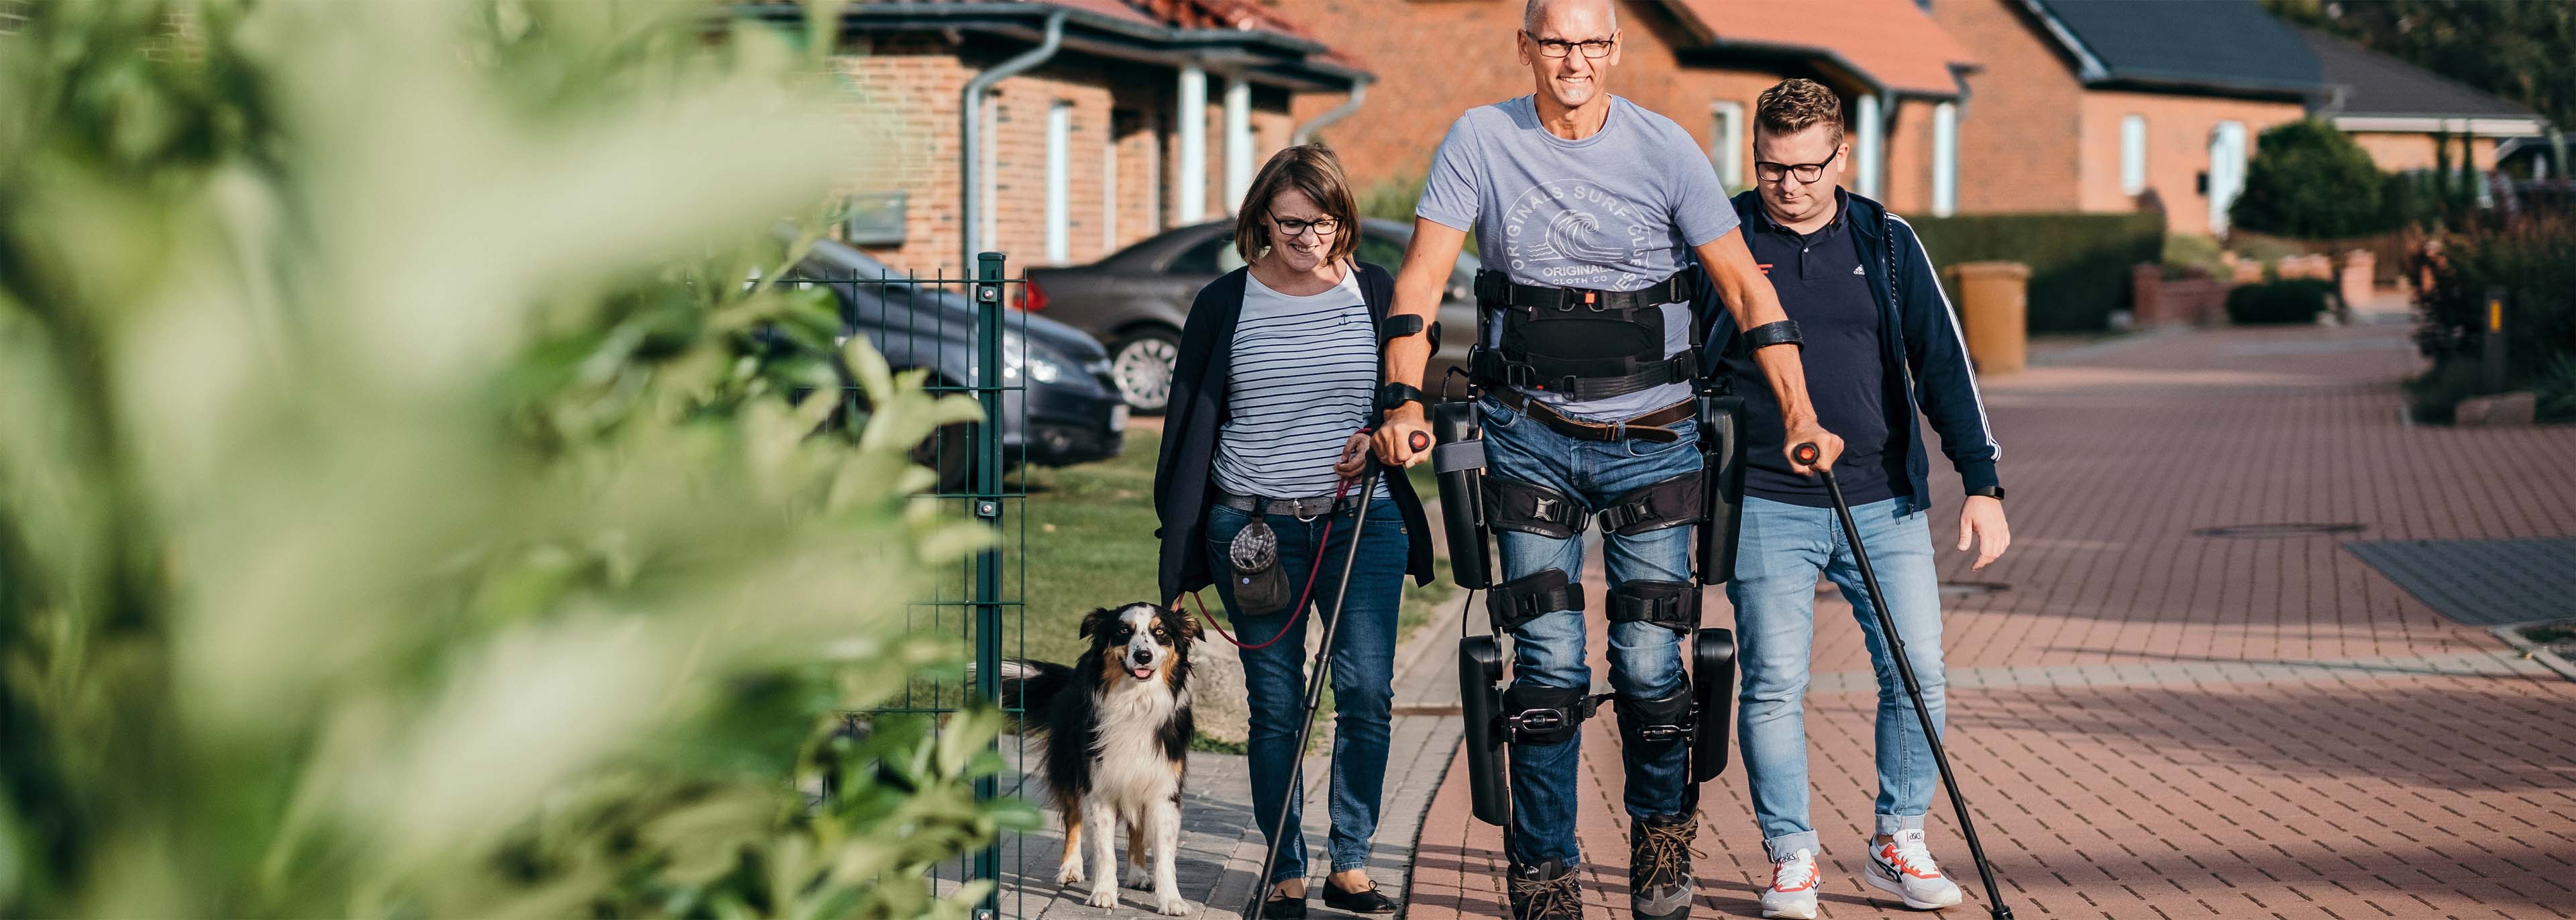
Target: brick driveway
[2153,723]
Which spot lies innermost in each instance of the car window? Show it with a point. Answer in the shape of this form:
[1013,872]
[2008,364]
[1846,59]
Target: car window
[1208,257]
[1381,251]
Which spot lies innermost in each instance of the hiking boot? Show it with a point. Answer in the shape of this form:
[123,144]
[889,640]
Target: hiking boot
[1547,891]
[1659,866]
[1793,887]
[1904,868]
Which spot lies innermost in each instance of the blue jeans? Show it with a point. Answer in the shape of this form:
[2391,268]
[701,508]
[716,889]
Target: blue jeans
[1363,666]
[1548,651]
[1783,547]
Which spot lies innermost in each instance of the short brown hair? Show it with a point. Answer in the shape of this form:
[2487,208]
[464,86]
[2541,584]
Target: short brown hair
[1309,168]
[1796,104]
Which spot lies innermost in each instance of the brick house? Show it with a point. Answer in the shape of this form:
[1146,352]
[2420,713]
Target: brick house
[2089,105]
[2400,112]
[1699,62]
[1148,114]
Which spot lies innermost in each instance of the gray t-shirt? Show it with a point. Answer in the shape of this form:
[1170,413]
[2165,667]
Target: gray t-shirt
[1617,211]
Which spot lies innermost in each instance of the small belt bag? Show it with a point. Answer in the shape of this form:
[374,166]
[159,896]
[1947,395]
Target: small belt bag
[1260,585]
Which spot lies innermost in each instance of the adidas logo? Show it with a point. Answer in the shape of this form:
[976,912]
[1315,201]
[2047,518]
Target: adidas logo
[1856,270]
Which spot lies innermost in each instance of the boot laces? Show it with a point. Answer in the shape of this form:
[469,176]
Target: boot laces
[1547,897]
[1662,850]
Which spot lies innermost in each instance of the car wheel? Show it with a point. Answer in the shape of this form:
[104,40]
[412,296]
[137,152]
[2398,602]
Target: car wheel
[950,452]
[1142,366]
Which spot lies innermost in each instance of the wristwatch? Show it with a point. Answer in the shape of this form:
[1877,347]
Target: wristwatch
[1993,492]
[1396,394]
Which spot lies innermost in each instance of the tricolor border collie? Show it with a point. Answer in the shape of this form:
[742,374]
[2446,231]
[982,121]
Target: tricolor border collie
[1117,726]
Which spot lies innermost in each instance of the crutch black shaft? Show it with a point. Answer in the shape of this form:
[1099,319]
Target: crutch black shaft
[1296,785]
[1807,454]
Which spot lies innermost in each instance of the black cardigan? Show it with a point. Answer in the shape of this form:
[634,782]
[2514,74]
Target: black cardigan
[1183,476]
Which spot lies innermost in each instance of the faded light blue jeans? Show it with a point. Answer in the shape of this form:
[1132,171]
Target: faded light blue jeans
[1783,548]
[1548,651]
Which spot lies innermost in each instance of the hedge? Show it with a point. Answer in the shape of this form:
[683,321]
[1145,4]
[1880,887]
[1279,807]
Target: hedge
[2079,263]
[2297,300]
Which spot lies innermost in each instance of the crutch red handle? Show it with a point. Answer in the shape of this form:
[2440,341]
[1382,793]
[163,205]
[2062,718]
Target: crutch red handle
[1807,454]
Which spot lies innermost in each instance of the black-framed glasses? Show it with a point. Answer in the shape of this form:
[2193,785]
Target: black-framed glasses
[1290,227]
[1595,49]
[1806,172]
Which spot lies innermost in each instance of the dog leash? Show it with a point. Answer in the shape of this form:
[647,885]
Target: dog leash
[1316,568]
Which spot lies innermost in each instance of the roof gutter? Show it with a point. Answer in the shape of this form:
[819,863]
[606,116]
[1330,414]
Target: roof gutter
[2088,68]
[1266,56]
[1306,132]
[970,110]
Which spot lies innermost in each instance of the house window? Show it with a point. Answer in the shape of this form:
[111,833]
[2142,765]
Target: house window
[1059,185]
[2133,154]
[1726,144]
[1945,159]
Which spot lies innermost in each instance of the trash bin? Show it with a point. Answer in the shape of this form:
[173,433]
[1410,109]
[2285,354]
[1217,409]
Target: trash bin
[1994,306]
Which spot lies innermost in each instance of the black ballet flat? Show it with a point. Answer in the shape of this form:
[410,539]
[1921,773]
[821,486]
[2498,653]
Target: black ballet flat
[1371,901]
[1280,907]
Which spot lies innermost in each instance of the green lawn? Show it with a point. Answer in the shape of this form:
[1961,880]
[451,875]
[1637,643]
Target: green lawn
[1091,544]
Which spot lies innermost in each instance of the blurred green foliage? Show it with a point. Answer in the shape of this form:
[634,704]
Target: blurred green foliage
[2533,264]
[398,514]
[2294,300]
[2080,264]
[2311,181]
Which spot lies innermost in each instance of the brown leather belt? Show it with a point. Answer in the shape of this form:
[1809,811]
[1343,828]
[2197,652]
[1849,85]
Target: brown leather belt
[1647,427]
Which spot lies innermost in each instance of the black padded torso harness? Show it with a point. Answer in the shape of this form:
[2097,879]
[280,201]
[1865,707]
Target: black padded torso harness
[1585,344]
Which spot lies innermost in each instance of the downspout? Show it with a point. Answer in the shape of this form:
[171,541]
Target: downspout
[1306,132]
[970,111]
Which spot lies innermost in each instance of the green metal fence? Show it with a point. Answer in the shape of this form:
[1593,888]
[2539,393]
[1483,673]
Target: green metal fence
[963,333]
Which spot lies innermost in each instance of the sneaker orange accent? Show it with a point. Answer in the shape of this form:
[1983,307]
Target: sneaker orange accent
[1887,853]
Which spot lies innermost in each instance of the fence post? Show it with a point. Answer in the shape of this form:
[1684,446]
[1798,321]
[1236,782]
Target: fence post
[987,501]
[2494,340]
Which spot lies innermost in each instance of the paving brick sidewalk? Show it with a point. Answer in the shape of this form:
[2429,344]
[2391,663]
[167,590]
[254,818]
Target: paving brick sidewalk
[2157,724]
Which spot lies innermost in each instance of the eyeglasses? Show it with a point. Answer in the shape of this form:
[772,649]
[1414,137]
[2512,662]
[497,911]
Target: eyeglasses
[1595,49]
[1806,172]
[1290,227]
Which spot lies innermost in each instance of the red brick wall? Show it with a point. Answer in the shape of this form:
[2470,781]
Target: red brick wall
[2019,131]
[2178,130]
[907,90]
[2401,152]
[1435,59]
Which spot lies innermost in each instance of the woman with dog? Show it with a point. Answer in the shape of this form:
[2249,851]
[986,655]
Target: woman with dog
[1276,378]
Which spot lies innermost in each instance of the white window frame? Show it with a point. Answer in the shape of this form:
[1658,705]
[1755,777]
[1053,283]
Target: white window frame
[2133,154]
[1727,144]
[1059,182]
[1945,159]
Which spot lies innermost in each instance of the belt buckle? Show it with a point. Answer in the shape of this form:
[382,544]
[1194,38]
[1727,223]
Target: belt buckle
[1592,299]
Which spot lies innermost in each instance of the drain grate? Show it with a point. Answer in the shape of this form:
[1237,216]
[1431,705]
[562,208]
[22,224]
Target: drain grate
[2481,582]
[1972,588]
[2265,531]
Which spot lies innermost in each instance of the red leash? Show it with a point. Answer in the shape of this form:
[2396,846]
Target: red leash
[1312,570]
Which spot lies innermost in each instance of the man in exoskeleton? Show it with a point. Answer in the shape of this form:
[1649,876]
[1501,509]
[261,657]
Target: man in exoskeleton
[1589,213]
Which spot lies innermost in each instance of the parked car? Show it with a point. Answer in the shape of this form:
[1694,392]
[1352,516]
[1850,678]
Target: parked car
[1135,300]
[1063,407]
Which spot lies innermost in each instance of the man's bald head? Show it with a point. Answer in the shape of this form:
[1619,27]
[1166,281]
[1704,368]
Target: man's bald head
[1533,15]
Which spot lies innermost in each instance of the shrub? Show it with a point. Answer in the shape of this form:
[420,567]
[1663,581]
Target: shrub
[2554,390]
[2309,180]
[2431,397]
[2535,264]
[2079,263]
[396,516]
[2275,302]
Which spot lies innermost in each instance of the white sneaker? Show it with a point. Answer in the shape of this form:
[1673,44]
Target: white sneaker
[1793,887]
[1904,868]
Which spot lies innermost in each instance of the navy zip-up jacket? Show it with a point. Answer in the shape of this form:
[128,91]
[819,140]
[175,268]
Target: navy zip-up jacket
[1930,354]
